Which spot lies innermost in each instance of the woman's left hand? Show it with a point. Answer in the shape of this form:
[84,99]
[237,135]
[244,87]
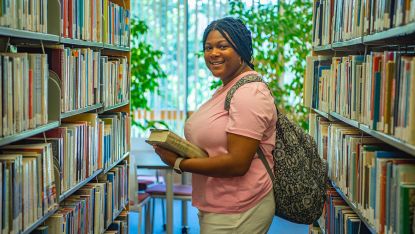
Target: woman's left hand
[167,156]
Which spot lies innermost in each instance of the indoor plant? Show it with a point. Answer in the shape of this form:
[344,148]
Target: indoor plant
[146,71]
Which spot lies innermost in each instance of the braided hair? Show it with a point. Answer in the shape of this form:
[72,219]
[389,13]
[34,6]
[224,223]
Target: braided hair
[236,33]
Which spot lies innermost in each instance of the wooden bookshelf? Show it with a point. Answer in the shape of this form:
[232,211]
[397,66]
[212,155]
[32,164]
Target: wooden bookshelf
[388,139]
[17,38]
[367,39]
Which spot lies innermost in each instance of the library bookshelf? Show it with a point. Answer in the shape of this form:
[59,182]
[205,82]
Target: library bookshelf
[64,113]
[359,86]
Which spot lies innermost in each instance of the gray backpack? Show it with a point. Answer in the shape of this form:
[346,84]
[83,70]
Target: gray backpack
[300,174]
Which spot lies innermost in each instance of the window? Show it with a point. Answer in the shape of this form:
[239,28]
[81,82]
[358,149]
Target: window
[188,78]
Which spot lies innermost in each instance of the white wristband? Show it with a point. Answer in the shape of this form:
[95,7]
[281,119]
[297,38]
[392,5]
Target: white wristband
[177,165]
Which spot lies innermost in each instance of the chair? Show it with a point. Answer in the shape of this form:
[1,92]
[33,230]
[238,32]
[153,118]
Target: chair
[143,184]
[180,192]
[145,180]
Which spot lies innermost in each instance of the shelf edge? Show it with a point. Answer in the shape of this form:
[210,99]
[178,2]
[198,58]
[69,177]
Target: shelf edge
[389,139]
[81,110]
[28,133]
[115,106]
[36,224]
[72,190]
[116,162]
[349,203]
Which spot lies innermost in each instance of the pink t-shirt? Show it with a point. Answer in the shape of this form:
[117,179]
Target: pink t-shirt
[252,114]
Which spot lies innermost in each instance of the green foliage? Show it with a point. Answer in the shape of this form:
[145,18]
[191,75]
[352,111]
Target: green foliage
[281,36]
[148,124]
[146,71]
[215,84]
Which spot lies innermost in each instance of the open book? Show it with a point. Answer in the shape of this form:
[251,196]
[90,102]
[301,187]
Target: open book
[171,141]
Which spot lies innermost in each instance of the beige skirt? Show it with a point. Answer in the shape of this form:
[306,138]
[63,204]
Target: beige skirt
[256,220]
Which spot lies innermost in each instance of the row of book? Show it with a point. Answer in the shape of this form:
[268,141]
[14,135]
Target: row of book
[117,188]
[85,143]
[116,136]
[99,21]
[377,90]
[31,15]
[87,77]
[339,217]
[114,73]
[76,148]
[92,20]
[119,226]
[36,171]
[28,191]
[27,188]
[80,74]
[378,179]
[23,73]
[92,209]
[342,20]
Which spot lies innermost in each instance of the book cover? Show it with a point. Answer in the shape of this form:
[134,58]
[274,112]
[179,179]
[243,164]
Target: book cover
[407,208]
[171,141]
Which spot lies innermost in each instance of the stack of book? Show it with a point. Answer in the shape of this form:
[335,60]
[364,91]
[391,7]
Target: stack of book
[114,73]
[377,179]
[98,21]
[339,217]
[25,15]
[116,136]
[28,188]
[343,20]
[377,90]
[23,92]
[94,206]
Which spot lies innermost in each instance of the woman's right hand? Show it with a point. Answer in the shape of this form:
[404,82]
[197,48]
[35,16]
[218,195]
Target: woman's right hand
[167,156]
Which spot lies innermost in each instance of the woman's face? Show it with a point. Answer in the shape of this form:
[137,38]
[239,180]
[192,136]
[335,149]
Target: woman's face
[220,57]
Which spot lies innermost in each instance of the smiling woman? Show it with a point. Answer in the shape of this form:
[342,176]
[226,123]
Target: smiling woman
[227,58]
[231,188]
[221,59]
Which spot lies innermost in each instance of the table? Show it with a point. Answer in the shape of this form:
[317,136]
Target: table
[150,160]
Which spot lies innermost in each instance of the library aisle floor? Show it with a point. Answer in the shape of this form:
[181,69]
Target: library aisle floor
[279,226]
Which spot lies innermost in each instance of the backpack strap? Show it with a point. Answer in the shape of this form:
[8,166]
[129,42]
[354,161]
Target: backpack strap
[245,80]
[265,162]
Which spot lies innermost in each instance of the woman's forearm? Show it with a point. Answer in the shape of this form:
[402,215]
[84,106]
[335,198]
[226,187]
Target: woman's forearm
[220,166]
